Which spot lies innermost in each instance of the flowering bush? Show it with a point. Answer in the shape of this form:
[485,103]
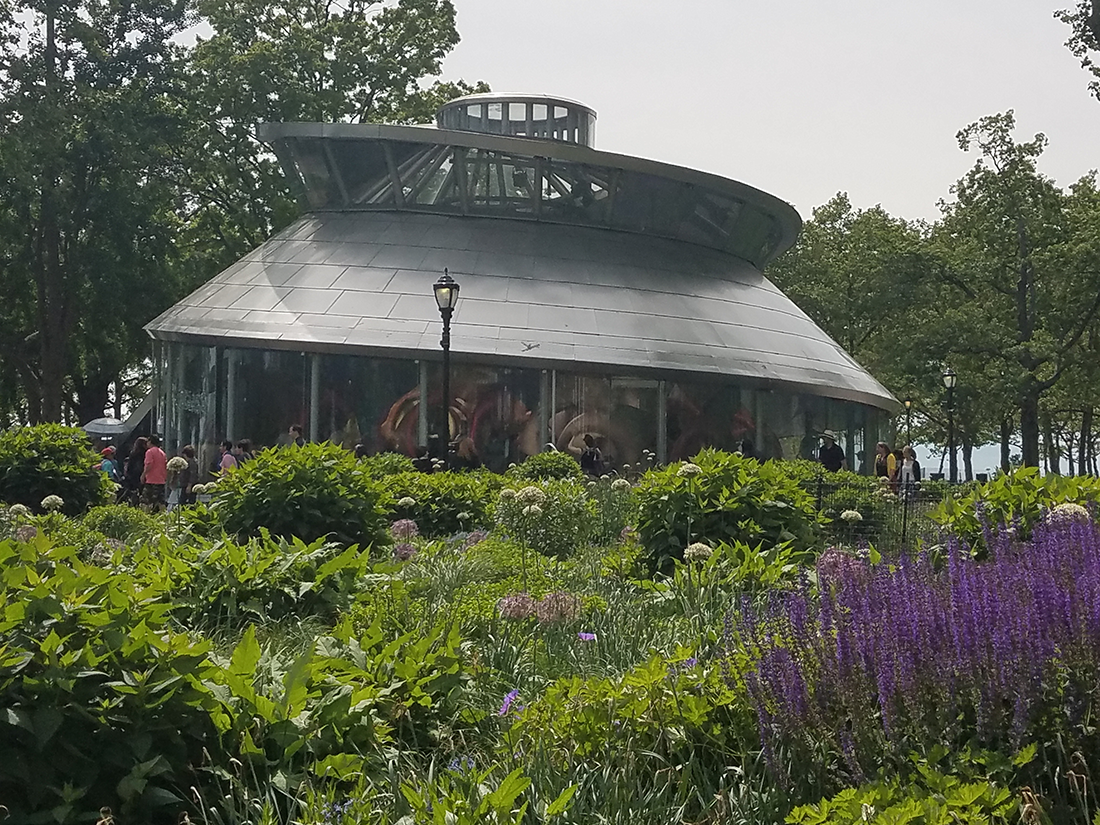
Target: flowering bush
[721,497]
[49,460]
[616,508]
[990,653]
[444,503]
[552,517]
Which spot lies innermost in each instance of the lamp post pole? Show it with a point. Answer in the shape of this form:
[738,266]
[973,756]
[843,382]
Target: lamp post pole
[908,420]
[949,379]
[446,296]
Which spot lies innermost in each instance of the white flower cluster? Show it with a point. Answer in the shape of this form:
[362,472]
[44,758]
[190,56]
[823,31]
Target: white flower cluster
[532,511]
[406,501]
[53,503]
[698,551]
[507,495]
[200,489]
[531,495]
[19,511]
[1067,512]
[689,470]
[620,485]
[851,516]
[177,464]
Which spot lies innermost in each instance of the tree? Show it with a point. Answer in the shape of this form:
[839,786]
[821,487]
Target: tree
[1084,21]
[1019,252]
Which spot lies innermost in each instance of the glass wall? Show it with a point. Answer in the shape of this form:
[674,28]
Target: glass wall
[499,415]
[369,401]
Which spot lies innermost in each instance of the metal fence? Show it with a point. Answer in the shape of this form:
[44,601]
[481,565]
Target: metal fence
[890,516]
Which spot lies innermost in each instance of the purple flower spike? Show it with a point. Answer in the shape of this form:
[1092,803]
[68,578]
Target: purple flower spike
[586,637]
[506,706]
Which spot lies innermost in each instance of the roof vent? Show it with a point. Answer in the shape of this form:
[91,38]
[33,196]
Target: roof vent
[532,116]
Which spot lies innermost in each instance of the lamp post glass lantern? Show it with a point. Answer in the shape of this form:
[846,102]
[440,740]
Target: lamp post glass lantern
[446,296]
[949,381]
[908,402]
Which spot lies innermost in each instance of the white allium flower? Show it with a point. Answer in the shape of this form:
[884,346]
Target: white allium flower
[532,510]
[19,511]
[177,464]
[531,495]
[507,495]
[406,501]
[851,516]
[463,516]
[620,484]
[687,470]
[1068,512]
[605,477]
[53,503]
[698,551]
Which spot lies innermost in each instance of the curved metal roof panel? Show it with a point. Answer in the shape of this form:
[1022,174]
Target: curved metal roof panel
[532,294]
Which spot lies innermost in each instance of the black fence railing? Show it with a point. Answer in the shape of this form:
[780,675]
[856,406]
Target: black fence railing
[890,516]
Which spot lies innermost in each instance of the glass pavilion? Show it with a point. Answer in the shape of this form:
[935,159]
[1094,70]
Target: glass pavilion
[601,294]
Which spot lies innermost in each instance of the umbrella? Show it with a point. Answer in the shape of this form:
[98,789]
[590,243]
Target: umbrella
[106,427]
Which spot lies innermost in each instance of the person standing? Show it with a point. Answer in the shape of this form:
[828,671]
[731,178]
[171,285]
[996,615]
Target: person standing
[885,463]
[228,461]
[831,455]
[591,458]
[909,472]
[155,474]
[296,437]
[189,477]
[133,471]
[109,465]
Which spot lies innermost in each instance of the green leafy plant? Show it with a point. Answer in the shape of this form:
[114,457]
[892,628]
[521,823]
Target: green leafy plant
[387,464]
[51,460]
[309,492]
[443,503]
[266,579]
[1018,500]
[121,523]
[616,509]
[932,799]
[546,466]
[721,497]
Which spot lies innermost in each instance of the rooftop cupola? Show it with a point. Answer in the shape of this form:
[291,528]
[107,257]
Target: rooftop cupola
[533,116]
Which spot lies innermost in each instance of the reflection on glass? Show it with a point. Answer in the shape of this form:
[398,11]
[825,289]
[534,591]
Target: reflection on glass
[619,413]
[270,393]
[369,401]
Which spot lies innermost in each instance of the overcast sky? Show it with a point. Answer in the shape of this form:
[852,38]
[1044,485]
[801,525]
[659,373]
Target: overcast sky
[801,98]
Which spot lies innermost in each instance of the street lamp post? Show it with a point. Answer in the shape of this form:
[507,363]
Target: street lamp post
[446,296]
[908,402]
[949,379]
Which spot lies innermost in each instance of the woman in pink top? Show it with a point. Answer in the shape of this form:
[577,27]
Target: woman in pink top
[228,460]
[155,475]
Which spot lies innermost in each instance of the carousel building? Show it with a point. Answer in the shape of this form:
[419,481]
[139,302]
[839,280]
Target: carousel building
[601,294]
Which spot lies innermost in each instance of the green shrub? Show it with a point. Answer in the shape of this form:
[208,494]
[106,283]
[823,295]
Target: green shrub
[387,464]
[552,517]
[121,523]
[103,703]
[721,497]
[51,460]
[309,492]
[445,503]
[547,467]
[1018,499]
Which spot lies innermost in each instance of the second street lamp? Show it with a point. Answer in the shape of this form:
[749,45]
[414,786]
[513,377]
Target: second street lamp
[908,402]
[446,296]
[949,379]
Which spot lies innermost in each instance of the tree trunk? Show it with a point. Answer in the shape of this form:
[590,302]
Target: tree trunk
[1085,441]
[1029,428]
[968,459]
[1006,445]
[91,400]
[1050,448]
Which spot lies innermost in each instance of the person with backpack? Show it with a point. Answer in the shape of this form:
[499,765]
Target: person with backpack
[109,465]
[591,458]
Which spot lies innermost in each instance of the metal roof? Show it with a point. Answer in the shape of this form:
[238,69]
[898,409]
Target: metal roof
[533,294]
